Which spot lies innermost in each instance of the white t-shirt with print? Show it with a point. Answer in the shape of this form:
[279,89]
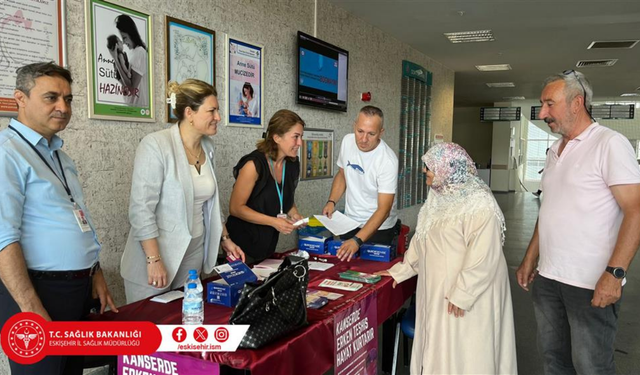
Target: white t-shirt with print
[367,174]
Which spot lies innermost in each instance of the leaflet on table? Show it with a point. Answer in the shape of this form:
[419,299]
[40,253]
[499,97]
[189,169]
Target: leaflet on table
[360,276]
[315,302]
[342,285]
[339,223]
[168,296]
[328,295]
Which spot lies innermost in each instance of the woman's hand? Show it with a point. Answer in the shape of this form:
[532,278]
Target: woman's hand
[282,225]
[455,310]
[295,217]
[231,248]
[157,274]
[386,273]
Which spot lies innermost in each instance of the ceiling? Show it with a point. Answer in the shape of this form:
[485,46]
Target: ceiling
[537,38]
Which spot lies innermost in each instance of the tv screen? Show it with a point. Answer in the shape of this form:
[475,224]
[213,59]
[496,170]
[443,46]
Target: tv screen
[322,73]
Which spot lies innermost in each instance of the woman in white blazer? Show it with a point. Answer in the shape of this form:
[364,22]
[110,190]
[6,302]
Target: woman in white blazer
[174,207]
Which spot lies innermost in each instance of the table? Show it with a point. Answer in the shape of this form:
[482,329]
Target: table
[310,348]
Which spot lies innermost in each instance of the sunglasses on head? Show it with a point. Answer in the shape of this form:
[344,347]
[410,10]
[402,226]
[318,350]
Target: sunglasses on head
[584,92]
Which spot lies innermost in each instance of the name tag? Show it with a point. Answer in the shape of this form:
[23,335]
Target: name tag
[83,223]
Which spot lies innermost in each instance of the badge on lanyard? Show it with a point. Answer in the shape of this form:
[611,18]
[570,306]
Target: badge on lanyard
[83,223]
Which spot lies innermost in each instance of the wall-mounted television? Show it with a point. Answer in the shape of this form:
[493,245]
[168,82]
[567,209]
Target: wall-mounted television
[322,73]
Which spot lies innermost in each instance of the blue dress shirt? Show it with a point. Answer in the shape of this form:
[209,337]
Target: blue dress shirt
[35,209]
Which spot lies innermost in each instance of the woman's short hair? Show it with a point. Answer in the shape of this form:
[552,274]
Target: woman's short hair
[280,123]
[190,93]
[126,24]
[247,85]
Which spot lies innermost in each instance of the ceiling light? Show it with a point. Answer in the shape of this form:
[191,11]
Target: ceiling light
[513,97]
[493,68]
[625,44]
[630,94]
[501,84]
[470,36]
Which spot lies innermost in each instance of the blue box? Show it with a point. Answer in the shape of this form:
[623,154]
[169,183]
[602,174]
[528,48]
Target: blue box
[377,252]
[226,291]
[314,241]
[334,245]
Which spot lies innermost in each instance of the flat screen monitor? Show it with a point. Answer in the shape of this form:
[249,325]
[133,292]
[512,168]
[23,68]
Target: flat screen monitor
[322,73]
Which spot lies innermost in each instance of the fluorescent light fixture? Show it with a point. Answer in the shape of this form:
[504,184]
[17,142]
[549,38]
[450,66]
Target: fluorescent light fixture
[493,68]
[630,94]
[513,97]
[470,36]
[501,84]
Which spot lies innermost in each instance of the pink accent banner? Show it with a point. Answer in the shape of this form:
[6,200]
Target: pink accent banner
[356,338]
[165,363]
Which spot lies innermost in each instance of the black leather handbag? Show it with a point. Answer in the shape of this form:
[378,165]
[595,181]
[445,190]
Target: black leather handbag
[275,307]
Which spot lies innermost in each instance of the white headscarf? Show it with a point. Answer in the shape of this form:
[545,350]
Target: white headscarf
[456,191]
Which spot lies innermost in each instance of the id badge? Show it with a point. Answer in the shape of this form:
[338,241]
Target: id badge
[83,223]
[282,216]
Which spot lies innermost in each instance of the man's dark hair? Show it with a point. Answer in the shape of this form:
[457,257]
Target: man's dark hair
[28,74]
[370,111]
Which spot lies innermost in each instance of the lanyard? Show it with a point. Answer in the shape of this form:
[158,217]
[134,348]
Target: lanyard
[273,172]
[63,180]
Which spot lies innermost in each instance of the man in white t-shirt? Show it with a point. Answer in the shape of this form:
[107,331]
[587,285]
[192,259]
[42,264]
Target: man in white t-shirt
[368,177]
[586,234]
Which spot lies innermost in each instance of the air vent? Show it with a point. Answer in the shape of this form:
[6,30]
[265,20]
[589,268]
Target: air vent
[488,114]
[513,97]
[470,36]
[595,63]
[616,111]
[612,44]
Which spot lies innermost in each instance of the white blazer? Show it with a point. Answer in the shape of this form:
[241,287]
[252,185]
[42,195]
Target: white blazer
[161,206]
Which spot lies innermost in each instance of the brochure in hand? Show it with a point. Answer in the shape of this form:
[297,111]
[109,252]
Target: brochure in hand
[359,276]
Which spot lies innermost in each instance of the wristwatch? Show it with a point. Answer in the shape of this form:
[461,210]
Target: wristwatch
[617,272]
[358,240]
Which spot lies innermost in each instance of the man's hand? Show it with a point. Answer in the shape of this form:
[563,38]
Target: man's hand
[101,291]
[348,248]
[608,291]
[328,209]
[526,273]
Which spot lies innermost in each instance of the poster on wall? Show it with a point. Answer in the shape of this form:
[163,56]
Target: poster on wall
[245,83]
[190,51]
[119,61]
[30,32]
[316,154]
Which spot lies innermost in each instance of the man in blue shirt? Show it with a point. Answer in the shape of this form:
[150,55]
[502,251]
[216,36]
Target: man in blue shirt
[48,245]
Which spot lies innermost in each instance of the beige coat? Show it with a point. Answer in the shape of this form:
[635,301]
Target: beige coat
[161,206]
[462,262]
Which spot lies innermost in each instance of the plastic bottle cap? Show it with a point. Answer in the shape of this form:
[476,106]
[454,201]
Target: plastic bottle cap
[192,286]
[192,272]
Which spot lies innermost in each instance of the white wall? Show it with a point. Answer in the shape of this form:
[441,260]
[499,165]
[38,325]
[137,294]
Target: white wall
[472,134]
[104,150]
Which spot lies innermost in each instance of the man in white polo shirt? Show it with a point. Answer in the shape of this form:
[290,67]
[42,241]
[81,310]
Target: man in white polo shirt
[368,176]
[586,235]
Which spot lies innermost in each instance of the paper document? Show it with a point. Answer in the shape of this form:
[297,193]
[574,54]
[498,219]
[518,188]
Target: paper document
[168,297]
[339,223]
[319,266]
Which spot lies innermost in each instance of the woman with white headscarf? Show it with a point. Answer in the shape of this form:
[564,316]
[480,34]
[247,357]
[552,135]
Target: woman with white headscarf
[464,316]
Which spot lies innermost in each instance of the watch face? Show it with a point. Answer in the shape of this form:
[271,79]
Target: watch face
[618,273]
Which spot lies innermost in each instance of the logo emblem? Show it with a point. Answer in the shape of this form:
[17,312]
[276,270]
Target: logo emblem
[221,334]
[200,334]
[26,338]
[179,334]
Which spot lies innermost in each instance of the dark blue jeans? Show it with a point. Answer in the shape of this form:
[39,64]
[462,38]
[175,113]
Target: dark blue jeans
[573,336]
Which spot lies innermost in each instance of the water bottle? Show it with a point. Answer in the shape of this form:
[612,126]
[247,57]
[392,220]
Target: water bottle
[192,305]
[194,278]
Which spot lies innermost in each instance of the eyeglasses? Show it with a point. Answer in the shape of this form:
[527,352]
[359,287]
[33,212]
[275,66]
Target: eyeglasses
[584,91]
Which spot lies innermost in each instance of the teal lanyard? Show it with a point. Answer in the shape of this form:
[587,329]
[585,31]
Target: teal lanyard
[273,171]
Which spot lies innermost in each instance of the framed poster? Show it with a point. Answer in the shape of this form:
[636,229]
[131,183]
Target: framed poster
[245,83]
[190,53]
[119,62]
[33,31]
[316,154]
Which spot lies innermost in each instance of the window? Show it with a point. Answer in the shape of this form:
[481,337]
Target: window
[537,143]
